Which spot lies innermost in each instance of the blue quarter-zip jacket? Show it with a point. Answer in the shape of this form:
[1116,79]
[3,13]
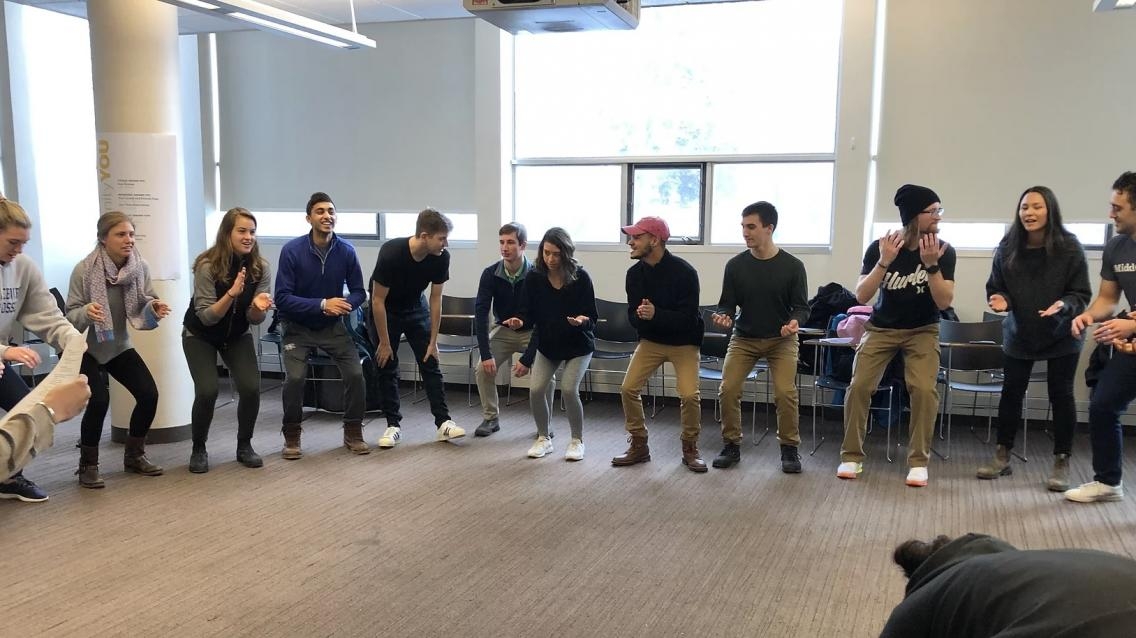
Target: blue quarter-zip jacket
[305,279]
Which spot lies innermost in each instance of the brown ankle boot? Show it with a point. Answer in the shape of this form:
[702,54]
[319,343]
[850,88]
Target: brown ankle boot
[692,458]
[292,449]
[637,452]
[89,467]
[134,458]
[1058,480]
[998,466]
[353,438]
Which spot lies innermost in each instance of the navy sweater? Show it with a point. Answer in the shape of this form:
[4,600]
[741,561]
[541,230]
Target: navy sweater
[496,291]
[306,278]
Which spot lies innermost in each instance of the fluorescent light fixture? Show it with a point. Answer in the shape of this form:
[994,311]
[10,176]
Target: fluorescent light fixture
[1110,5]
[279,20]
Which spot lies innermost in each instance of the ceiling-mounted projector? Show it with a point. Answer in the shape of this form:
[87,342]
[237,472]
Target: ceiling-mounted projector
[556,16]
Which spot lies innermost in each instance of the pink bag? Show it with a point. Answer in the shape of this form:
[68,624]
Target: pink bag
[855,323]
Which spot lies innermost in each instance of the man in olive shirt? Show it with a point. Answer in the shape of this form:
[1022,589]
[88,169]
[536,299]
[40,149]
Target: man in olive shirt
[770,287]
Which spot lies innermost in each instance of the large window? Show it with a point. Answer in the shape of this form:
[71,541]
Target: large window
[701,110]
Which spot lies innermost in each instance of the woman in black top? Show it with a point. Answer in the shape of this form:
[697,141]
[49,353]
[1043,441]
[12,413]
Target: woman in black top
[559,303]
[230,292]
[1040,277]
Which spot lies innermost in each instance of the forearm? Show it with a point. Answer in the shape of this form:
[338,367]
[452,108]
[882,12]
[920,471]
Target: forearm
[379,313]
[868,284]
[942,291]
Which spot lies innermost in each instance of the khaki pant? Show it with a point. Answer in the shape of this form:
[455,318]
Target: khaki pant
[741,356]
[647,358]
[920,348]
[503,342]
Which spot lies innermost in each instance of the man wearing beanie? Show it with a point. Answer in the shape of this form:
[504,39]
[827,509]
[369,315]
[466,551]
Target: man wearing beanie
[314,269]
[914,273]
[662,305]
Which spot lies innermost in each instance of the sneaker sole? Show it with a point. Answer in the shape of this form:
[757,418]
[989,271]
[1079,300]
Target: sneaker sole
[1099,499]
[541,455]
[573,459]
[848,476]
[449,438]
[915,483]
[18,497]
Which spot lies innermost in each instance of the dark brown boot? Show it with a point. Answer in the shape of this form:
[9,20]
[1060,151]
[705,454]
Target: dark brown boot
[292,449]
[998,466]
[89,467]
[637,452]
[353,438]
[134,458]
[692,458]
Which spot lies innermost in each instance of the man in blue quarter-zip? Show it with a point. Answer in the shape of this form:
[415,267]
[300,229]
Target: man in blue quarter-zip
[314,270]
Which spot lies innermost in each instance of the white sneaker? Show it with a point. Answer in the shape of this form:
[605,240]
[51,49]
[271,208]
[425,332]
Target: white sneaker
[917,477]
[449,430]
[849,470]
[1095,492]
[390,438]
[542,446]
[575,451]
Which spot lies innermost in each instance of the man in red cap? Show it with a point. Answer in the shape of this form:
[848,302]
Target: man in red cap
[769,287]
[662,304]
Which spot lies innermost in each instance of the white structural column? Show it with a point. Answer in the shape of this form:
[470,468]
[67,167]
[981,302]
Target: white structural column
[134,65]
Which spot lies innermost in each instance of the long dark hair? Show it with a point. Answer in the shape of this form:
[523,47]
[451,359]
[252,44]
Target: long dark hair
[218,258]
[558,237]
[1057,239]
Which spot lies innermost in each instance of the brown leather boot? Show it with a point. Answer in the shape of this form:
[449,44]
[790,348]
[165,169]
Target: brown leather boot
[637,452]
[998,466]
[89,467]
[1058,480]
[292,449]
[692,458]
[134,458]
[353,438]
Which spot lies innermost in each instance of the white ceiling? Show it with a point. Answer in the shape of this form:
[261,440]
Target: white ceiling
[335,12]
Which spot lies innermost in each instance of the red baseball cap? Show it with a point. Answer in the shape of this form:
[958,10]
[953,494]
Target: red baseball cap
[653,225]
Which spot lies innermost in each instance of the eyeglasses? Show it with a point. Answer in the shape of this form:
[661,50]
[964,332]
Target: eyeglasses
[940,211]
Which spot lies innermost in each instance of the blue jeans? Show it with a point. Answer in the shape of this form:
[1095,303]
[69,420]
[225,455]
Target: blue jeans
[1110,398]
[415,324]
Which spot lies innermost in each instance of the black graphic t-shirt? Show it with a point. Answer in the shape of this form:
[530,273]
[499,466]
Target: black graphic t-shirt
[1119,264]
[905,299]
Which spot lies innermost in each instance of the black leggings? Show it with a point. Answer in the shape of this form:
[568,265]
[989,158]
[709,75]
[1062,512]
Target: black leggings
[1059,378]
[130,370]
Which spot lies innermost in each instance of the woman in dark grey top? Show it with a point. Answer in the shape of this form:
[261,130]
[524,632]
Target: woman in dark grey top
[230,292]
[1040,277]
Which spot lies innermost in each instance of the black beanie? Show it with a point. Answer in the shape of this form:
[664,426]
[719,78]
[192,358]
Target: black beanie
[317,198]
[912,200]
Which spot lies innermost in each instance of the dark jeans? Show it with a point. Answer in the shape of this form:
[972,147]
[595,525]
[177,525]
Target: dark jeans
[1059,378]
[1115,389]
[130,370]
[297,343]
[240,358]
[415,324]
[12,389]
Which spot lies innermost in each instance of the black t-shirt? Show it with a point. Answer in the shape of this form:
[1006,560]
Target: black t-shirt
[407,279]
[905,295]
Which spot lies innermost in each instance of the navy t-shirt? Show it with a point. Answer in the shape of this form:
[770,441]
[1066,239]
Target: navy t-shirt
[407,279]
[1119,264]
[905,299]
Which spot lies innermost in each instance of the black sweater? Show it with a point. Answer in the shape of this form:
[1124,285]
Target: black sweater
[979,586]
[546,309]
[1033,284]
[672,286]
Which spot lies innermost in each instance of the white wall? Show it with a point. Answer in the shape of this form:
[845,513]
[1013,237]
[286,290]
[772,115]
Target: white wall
[980,100]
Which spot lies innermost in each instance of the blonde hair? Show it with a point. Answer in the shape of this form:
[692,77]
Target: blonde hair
[107,221]
[12,214]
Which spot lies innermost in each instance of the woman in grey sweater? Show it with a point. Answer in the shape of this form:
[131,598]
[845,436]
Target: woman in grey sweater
[110,288]
[1040,277]
[230,292]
